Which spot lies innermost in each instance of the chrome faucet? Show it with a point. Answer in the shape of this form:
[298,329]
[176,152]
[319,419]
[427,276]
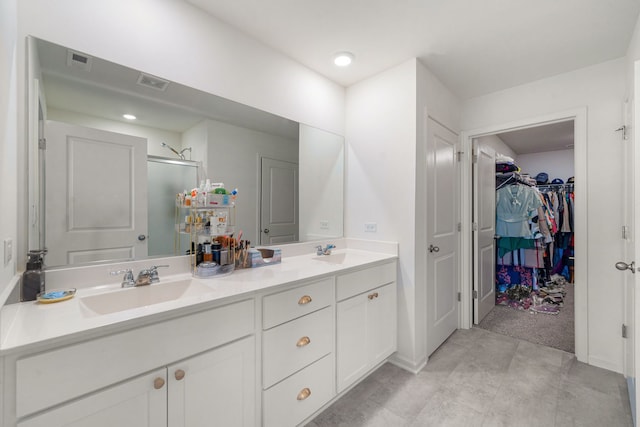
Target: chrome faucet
[325,251]
[145,277]
[149,275]
[127,280]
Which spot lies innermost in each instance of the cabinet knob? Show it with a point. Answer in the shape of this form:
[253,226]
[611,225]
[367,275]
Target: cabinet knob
[373,295]
[158,383]
[304,300]
[304,393]
[303,342]
[179,374]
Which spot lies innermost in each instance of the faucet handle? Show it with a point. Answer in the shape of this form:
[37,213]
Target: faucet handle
[153,273]
[127,280]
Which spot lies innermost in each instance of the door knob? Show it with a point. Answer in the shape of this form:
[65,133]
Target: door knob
[622,266]
[142,237]
[434,248]
[266,231]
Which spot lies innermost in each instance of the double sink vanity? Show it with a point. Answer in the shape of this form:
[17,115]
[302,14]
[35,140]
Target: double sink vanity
[268,346]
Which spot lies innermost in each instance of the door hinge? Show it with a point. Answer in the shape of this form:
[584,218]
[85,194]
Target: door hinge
[475,158]
[459,226]
[625,232]
[42,143]
[474,226]
[459,297]
[459,155]
[624,331]
[475,294]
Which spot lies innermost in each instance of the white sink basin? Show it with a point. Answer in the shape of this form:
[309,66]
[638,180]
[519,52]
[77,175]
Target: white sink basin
[334,258]
[136,297]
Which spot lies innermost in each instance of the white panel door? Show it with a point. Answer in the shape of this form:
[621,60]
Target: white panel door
[442,234]
[96,203]
[484,218]
[279,221]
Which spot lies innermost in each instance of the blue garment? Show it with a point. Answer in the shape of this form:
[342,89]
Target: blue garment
[515,206]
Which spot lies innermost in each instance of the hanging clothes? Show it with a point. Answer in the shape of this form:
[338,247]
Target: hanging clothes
[515,206]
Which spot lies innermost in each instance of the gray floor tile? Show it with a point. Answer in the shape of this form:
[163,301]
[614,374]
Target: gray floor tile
[479,378]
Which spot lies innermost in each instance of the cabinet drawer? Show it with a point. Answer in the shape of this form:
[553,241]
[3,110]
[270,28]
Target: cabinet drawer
[296,344]
[285,403]
[104,361]
[284,306]
[350,284]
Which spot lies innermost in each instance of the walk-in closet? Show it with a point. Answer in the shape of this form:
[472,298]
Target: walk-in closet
[534,236]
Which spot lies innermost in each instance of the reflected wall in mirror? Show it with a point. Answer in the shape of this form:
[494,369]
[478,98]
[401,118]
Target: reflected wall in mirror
[104,188]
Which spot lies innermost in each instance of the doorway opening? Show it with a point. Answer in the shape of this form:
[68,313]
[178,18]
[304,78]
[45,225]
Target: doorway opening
[469,269]
[523,182]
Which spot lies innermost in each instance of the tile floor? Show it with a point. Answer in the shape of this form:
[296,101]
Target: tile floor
[480,378]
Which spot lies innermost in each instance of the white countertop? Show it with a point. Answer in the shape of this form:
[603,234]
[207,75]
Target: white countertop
[29,324]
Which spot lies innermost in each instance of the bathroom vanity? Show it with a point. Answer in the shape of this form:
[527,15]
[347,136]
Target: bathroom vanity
[269,346]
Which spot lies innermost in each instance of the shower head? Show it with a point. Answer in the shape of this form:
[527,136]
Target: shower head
[179,154]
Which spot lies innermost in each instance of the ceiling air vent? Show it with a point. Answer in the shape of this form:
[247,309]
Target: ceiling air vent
[152,82]
[79,60]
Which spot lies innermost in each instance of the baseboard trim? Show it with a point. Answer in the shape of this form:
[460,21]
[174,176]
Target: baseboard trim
[406,364]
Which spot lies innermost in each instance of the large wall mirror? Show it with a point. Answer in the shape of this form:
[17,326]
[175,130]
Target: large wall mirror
[103,187]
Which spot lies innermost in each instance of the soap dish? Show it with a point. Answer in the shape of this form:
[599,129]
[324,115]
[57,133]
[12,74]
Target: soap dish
[55,295]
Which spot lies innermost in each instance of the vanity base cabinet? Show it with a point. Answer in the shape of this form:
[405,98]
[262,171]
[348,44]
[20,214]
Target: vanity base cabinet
[213,388]
[133,403]
[366,331]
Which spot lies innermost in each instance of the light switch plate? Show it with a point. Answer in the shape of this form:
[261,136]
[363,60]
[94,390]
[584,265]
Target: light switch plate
[370,227]
[8,251]
[324,224]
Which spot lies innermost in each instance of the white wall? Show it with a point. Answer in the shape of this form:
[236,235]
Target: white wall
[8,141]
[381,176]
[557,164]
[321,186]
[233,157]
[601,89]
[386,130]
[153,136]
[175,40]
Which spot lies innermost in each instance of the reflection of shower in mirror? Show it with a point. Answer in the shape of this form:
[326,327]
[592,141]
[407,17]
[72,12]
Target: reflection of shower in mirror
[178,153]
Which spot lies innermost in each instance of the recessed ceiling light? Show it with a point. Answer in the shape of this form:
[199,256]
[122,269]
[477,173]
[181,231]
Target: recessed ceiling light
[129,116]
[343,59]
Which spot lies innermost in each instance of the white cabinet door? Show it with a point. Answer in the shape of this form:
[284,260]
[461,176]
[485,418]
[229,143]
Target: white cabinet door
[382,323]
[351,340]
[216,388]
[138,402]
[366,332]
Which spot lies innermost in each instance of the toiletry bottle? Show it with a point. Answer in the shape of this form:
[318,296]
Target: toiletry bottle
[33,277]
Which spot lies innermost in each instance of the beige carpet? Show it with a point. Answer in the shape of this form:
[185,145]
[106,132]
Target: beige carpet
[557,331]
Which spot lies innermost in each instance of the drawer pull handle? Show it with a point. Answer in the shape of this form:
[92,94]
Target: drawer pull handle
[179,374]
[304,393]
[158,383]
[303,341]
[373,295]
[304,300]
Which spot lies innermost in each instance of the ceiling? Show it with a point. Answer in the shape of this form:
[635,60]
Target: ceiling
[540,139]
[474,47]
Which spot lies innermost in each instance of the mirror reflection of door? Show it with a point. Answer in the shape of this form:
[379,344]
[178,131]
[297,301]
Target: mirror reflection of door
[87,220]
[278,202]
